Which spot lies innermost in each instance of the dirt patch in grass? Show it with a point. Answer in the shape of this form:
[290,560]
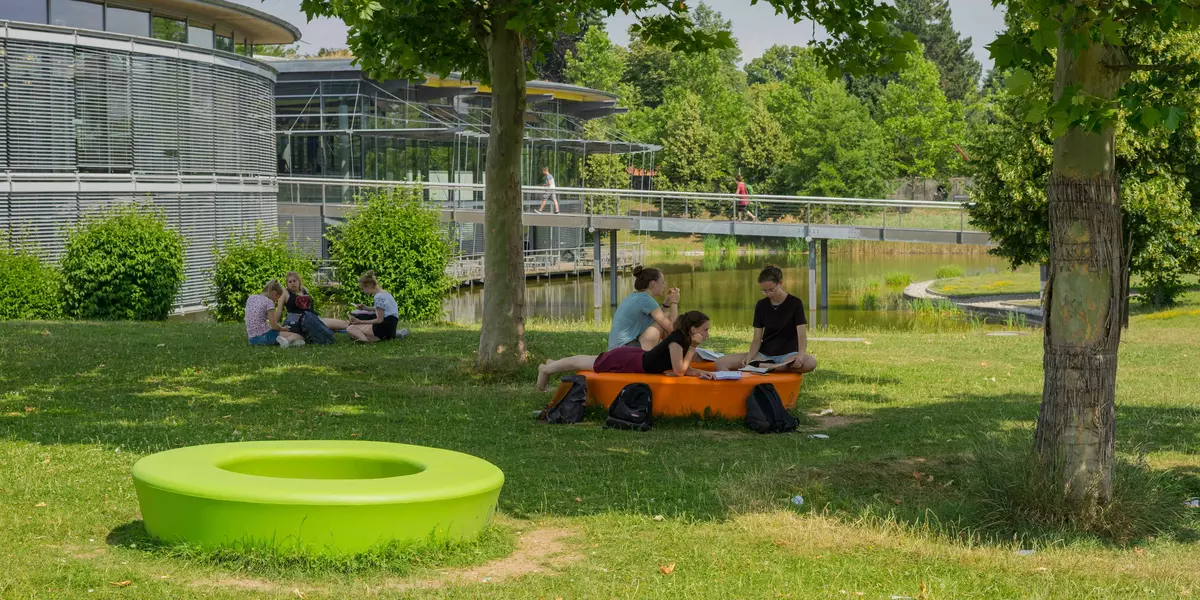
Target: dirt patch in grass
[537,551]
[821,423]
[238,583]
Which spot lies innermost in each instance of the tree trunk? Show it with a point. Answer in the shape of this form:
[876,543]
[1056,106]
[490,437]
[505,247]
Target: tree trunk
[502,335]
[1085,296]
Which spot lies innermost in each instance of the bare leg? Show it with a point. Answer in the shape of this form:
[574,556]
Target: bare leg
[650,337]
[555,198]
[362,333]
[290,337]
[581,362]
[545,197]
[808,364]
[335,324]
[730,362]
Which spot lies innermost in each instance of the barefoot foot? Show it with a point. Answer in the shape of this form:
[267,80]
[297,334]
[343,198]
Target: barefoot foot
[543,380]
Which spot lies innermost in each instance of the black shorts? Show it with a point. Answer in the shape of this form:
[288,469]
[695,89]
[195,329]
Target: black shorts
[385,330]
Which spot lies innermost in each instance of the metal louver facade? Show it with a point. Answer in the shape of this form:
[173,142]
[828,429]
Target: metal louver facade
[93,119]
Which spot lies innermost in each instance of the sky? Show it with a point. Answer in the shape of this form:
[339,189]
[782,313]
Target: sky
[755,27]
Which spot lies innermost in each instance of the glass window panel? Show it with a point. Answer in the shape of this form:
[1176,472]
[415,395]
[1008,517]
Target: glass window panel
[224,43]
[76,13]
[199,36]
[124,20]
[23,10]
[171,30]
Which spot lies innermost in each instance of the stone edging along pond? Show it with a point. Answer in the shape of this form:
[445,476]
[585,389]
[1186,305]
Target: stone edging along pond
[998,306]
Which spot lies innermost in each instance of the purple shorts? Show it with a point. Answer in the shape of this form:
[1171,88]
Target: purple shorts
[624,359]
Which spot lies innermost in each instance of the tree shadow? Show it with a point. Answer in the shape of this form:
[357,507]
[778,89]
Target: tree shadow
[912,464]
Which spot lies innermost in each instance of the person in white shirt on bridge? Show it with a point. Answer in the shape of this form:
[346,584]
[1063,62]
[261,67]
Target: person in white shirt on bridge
[549,195]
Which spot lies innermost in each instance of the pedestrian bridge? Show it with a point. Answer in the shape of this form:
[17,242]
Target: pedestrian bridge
[813,219]
[809,218]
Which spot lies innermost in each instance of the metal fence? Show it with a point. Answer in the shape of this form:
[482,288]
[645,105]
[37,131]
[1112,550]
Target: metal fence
[888,214]
[549,262]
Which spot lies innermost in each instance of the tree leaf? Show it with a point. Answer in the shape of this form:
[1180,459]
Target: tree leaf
[1151,117]
[1036,114]
[1019,81]
[1174,116]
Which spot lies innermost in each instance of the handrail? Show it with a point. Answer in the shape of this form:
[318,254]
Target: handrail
[655,194]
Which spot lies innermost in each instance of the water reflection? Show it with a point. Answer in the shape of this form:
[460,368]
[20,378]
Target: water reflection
[725,287]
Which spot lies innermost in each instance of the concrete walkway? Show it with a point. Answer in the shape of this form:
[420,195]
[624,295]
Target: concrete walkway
[991,306]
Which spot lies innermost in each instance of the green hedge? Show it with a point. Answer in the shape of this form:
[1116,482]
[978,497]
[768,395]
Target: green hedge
[122,264]
[29,288]
[245,264]
[405,244]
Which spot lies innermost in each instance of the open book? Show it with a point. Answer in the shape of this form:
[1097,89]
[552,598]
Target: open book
[708,355]
[765,367]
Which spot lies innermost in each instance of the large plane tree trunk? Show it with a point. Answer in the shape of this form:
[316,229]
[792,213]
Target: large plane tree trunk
[1086,294]
[502,335]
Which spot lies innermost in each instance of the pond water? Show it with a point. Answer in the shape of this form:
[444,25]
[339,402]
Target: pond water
[726,288]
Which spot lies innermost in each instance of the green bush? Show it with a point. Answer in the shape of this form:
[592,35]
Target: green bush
[898,279]
[29,288]
[949,271]
[404,243]
[122,264]
[246,263]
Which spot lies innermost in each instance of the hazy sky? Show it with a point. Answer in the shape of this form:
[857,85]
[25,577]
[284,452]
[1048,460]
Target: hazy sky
[755,27]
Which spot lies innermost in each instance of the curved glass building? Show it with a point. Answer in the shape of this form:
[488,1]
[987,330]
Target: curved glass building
[137,101]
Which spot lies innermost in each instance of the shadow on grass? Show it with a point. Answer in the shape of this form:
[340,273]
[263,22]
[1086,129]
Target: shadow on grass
[913,463]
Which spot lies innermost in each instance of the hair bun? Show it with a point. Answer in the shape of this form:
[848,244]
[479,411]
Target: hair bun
[637,271]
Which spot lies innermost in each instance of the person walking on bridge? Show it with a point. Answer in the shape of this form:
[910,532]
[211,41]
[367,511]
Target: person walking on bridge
[743,203]
[548,183]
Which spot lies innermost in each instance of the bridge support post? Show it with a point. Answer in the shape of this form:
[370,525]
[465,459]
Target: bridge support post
[612,267]
[824,274]
[812,281]
[825,283]
[597,274]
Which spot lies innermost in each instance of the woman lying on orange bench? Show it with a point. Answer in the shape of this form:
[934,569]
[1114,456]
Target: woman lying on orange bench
[674,354]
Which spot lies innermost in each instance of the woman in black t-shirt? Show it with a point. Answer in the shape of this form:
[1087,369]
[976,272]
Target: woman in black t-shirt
[780,329]
[674,354]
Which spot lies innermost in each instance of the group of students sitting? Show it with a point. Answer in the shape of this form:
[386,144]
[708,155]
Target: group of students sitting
[263,310]
[647,337]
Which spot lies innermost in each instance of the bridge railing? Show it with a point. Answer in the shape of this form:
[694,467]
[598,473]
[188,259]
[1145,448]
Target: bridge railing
[551,261]
[888,214]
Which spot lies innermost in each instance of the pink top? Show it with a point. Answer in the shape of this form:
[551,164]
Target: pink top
[257,307]
[741,191]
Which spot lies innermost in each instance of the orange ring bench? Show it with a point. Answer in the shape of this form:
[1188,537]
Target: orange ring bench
[689,396]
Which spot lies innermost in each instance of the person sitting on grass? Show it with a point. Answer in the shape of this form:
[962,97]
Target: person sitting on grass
[298,301]
[780,329]
[639,321]
[387,314]
[262,319]
[673,355]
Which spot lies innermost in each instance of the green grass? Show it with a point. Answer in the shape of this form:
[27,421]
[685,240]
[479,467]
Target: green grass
[1025,280]
[949,271]
[897,279]
[903,493]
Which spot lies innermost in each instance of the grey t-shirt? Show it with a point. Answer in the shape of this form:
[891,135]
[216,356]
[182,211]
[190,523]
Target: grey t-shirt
[631,319]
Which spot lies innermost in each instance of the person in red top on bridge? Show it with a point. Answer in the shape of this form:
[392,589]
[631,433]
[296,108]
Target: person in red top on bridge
[743,203]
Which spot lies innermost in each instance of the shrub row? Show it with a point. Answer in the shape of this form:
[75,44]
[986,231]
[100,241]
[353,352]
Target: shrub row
[126,264]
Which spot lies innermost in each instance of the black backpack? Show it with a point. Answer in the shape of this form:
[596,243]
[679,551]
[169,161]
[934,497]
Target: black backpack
[569,408]
[765,412]
[631,409]
[314,330]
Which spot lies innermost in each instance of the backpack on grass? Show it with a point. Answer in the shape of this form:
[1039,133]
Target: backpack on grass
[765,412]
[631,409]
[314,330]
[570,407]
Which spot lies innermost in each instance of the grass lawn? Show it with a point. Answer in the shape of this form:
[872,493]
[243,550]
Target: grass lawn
[1025,280]
[892,506]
